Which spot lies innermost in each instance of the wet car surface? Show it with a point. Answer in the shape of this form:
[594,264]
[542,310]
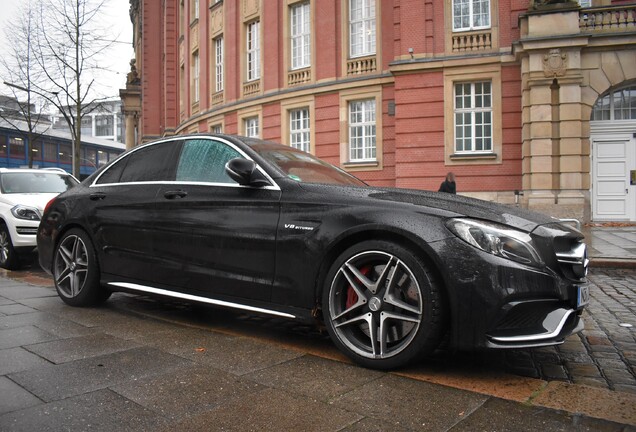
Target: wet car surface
[259,227]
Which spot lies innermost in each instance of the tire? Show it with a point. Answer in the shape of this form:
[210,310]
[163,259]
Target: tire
[381,288]
[76,271]
[9,258]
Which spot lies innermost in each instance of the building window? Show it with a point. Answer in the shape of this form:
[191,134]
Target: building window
[300,36]
[585,3]
[195,77]
[618,105]
[473,117]
[299,133]
[361,27]
[65,153]
[251,127]
[16,148]
[50,152]
[217,129]
[471,14]
[253,51]
[195,10]
[218,63]
[362,134]
[104,125]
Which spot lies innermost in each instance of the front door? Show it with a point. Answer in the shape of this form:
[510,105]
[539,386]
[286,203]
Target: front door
[614,171]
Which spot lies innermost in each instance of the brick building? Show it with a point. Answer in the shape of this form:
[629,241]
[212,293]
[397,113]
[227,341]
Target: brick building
[511,95]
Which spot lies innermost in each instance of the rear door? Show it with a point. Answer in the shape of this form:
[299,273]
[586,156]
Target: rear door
[122,208]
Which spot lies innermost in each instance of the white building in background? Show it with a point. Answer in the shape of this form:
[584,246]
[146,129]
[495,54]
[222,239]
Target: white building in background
[103,120]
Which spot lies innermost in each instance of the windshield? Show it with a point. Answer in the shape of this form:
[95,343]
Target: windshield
[27,182]
[304,167]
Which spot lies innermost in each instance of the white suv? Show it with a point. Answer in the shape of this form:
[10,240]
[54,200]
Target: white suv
[23,195]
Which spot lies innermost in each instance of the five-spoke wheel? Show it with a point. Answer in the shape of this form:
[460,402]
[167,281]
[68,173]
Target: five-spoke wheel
[382,305]
[76,272]
[8,255]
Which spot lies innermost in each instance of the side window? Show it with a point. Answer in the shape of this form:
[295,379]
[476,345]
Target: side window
[112,174]
[152,163]
[204,161]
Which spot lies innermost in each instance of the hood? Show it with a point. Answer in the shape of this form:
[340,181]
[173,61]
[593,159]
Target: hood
[443,204]
[37,200]
[510,215]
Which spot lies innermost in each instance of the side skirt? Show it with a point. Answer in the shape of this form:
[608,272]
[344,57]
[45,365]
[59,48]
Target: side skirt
[199,299]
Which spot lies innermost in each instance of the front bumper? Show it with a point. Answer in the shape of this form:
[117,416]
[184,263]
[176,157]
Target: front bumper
[23,233]
[498,303]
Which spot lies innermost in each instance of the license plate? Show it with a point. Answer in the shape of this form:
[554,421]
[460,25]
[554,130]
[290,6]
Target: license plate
[583,296]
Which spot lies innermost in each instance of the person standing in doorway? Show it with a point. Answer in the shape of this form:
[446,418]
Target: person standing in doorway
[448,185]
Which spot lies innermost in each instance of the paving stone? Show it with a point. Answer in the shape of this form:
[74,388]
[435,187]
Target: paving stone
[65,350]
[15,309]
[14,398]
[553,371]
[18,359]
[591,382]
[21,291]
[186,391]
[500,415]
[15,337]
[374,425]
[96,411]
[48,322]
[271,410]
[81,376]
[584,370]
[444,406]
[314,377]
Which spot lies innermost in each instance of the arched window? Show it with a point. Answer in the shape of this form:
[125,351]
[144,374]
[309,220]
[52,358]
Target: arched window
[617,105]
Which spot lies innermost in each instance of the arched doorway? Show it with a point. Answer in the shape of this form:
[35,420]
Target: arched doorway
[613,151]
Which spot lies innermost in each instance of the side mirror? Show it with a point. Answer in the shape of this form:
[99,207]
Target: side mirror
[244,172]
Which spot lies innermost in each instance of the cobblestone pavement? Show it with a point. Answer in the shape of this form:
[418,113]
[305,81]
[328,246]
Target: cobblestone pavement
[604,354]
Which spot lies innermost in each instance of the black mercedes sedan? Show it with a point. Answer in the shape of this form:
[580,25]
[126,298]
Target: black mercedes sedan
[256,226]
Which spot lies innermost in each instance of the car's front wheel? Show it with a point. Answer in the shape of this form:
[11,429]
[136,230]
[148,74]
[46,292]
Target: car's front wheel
[76,270]
[382,305]
[9,258]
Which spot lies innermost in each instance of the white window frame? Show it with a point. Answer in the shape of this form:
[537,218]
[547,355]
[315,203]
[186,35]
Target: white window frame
[251,127]
[253,51]
[218,63]
[195,5]
[300,129]
[195,77]
[362,133]
[472,114]
[472,16]
[362,28]
[585,3]
[300,34]
[612,107]
[217,129]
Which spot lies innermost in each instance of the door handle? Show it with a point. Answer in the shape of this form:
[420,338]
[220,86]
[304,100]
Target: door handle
[96,196]
[175,194]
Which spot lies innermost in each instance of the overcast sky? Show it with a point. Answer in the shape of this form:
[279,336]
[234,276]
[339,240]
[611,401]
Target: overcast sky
[116,17]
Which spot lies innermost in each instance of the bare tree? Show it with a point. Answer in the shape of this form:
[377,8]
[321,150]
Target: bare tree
[70,47]
[21,74]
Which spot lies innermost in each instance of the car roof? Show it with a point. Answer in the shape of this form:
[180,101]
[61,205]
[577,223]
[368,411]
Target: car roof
[33,170]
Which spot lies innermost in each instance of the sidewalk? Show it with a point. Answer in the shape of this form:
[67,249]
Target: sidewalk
[611,245]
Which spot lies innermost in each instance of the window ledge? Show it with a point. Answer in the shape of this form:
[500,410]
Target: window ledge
[365,164]
[472,156]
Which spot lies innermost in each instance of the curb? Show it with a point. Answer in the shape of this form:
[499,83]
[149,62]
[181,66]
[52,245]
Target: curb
[613,263]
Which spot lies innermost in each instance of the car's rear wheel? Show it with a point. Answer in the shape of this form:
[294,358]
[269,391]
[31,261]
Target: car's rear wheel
[382,305]
[9,258]
[76,270]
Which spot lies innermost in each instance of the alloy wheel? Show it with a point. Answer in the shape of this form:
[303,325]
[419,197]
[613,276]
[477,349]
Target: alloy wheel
[375,305]
[71,266]
[4,246]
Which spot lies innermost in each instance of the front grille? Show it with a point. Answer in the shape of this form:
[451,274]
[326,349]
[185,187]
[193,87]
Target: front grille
[574,261]
[27,230]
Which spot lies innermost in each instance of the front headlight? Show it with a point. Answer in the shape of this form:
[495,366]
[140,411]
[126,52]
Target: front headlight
[497,239]
[25,212]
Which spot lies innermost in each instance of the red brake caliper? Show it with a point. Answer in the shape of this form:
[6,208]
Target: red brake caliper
[352,297]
